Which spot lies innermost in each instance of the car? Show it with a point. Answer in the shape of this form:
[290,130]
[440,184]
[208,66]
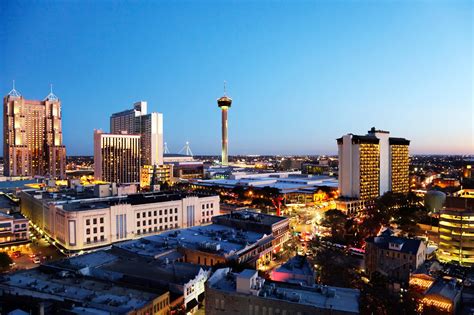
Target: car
[16,254]
[32,255]
[37,260]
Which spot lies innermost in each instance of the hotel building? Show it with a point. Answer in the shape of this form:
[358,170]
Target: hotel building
[137,121]
[80,221]
[117,157]
[371,165]
[32,143]
[456,231]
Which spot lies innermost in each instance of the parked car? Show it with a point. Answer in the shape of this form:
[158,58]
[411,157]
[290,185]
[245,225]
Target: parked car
[37,260]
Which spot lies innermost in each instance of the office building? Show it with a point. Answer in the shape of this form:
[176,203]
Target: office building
[84,220]
[298,269]
[32,131]
[393,257]
[245,293]
[117,157]
[456,230]
[184,166]
[151,177]
[137,121]
[371,165]
[224,104]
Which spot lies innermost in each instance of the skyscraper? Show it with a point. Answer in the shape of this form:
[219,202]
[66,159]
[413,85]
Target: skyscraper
[224,104]
[32,136]
[373,164]
[117,157]
[149,126]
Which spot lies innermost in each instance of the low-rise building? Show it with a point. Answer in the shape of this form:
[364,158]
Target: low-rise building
[246,293]
[277,226]
[55,291]
[394,257]
[296,270]
[79,221]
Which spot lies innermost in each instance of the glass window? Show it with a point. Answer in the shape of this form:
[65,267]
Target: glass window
[138,215]
[101,220]
[94,220]
[102,229]
[138,223]
[88,222]
[161,212]
[88,231]
[154,213]
[95,230]
[175,210]
[176,218]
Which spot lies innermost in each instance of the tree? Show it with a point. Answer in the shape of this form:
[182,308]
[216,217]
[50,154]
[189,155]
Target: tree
[5,261]
[335,220]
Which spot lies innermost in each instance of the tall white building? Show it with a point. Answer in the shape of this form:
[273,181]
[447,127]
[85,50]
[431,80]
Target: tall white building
[373,164]
[148,125]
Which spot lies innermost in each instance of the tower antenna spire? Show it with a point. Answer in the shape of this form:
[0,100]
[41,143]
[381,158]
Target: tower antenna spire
[51,88]
[13,84]
[14,92]
[225,88]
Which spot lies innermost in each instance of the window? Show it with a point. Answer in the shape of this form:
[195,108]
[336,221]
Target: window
[144,231]
[166,219]
[149,213]
[149,222]
[176,218]
[207,206]
[212,205]
[88,222]
[202,207]
[166,226]
[161,220]
[149,230]
[155,221]
[138,215]
[171,219]
[95,238]
[144,222]
[102,238]
[88,231]
[95,230]
[154,213]
[101,220]
[175,210]
[161,212]
[88,240]
[166,211]
[102,229]
[94,220]
[207,212]
[212,212]
[138,223]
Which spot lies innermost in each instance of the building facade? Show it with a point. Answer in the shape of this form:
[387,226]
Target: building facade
[456,231]
[394,257]
[85,223]
[32,131]
[117,157]
[137,121]
[246,293]
[373,164]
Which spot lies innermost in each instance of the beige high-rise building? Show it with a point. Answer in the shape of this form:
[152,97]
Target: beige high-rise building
[373,164]
[117,157]
[149,126]
[32,136]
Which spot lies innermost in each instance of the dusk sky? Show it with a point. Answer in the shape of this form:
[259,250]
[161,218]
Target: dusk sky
[301,73]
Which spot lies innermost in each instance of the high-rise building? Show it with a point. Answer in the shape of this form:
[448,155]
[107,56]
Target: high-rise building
[224,104]
[32,136]
[117,157]
[137,121]
[373,164]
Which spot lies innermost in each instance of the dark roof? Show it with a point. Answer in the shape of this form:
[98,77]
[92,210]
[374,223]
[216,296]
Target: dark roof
[175,155]
[410,245]
[365,139]
[399,141]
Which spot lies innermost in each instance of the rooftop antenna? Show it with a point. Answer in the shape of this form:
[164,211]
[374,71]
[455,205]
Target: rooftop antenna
[14,92]
[166,150]
[51,96]
[225,89]
[186,149]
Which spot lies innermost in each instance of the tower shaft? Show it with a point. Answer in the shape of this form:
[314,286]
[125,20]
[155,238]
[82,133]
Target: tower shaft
[225,160]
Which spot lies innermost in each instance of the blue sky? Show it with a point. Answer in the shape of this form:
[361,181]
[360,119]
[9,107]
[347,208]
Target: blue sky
[301,73]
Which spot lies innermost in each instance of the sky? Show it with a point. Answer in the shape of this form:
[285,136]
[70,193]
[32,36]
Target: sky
[300,73]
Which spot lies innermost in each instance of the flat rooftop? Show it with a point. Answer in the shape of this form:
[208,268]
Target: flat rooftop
[102,295]
[335,298]
[72,200]
[250,216]
[219,239]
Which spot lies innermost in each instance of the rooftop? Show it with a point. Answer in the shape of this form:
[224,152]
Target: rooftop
[409,245]
[219,239]
[339,299]
[60,286]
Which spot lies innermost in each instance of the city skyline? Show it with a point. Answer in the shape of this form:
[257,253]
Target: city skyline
[299,75]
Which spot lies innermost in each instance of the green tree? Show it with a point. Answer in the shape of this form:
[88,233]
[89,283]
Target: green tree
[5,261]
[335,220]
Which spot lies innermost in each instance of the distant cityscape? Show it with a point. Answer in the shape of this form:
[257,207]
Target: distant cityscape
[136,229]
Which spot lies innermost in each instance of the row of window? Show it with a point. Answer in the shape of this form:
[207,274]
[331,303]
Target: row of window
[94,230]
[155,212]
[94,221]
[156,229]
[95,239]
[160,306]
[207,205]
[155,221]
